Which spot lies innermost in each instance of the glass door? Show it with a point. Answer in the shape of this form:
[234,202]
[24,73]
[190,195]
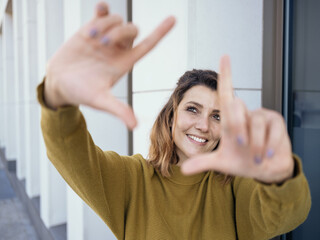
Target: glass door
[301,99]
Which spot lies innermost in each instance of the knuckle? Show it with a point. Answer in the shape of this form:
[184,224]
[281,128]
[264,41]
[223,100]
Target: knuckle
[257,121]
[257,148]
[116,18]
[257,142]
[238,127]
[277,116]
[232,124]
[280,169]
[133,28]
[241,122]
[259,111]
[239,102]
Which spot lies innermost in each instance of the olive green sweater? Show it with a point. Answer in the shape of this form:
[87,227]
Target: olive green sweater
[136,202]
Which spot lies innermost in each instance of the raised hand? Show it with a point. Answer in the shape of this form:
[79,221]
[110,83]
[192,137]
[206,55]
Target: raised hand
[253,144]
[86,67]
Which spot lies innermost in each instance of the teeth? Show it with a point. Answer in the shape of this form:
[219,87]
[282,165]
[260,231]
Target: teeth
[201,140]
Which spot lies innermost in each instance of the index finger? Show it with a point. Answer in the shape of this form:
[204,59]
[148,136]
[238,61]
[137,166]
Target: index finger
[102,9]
[225,89]
[151,41]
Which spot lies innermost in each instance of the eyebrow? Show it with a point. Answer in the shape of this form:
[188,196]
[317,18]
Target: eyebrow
[201,106]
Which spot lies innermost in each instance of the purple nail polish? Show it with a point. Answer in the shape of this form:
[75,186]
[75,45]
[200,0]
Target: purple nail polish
[101,8]
[270,153]
[257,160]
[93,32]
[240,140]
[105,40]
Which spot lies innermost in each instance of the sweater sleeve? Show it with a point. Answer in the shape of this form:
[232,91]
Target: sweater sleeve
[264,211]
[97,177]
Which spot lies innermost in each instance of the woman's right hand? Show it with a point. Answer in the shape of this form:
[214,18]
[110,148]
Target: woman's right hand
[86,67]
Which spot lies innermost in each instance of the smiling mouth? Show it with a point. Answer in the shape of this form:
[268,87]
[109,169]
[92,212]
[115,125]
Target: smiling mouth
[197,139]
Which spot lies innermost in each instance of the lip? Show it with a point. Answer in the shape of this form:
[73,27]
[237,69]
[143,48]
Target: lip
[195,142]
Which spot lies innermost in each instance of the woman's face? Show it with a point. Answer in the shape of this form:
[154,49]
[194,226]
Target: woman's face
[197,126]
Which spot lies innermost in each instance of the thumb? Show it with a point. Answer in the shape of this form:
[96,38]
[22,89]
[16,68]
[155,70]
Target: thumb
[200,163]
[114,106]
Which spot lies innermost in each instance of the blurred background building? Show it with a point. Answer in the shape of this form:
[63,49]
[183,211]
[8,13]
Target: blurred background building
[274,49]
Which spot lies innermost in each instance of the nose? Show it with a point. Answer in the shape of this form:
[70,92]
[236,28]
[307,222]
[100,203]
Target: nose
[202,124]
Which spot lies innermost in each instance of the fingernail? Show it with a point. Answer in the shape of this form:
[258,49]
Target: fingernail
[101,8]
[257,159]
[270,153]
[105,40]
[93,32]
[240,140]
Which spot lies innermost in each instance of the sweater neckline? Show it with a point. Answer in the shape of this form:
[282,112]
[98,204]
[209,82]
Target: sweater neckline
[178,177]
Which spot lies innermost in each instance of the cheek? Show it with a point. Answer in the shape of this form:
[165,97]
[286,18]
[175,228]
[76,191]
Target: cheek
[184,122]
[216,130]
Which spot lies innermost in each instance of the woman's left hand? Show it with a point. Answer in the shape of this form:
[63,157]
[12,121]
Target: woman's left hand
[253,144]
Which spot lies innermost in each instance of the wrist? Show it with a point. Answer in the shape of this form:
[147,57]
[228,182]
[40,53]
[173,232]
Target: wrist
[279,179]
[289,175]
[51,95]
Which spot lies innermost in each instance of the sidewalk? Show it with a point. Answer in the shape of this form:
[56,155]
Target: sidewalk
[14,221]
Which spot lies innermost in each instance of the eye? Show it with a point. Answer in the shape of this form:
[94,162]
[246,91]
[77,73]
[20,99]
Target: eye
[192,109]
[216,116]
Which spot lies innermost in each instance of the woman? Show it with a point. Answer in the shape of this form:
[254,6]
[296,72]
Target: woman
[152,199]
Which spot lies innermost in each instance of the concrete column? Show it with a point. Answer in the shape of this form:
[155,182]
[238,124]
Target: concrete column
[9,87]
[31,108]
[1,96]
[50,37]
[83,223]
[20,85]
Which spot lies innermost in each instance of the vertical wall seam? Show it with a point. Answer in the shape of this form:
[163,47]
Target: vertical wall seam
[130,79]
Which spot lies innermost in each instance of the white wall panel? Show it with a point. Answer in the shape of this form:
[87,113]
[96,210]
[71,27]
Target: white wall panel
[75,229]
[163,65]
[50,24]
[2,118]
[146,106]
[252,98]
[20,86]
[10,86]
[94,227]
[31,109]
[228,27]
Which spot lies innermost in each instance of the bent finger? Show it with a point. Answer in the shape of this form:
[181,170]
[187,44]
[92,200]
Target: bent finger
[122,35]
[235,121]
[151,41]
[201,163]
[258,129]
[102,9]
[276,134]
[213,162]
[114,106]
[99,27]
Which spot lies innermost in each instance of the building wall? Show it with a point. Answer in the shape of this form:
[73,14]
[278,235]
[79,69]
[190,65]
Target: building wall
[204,31]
